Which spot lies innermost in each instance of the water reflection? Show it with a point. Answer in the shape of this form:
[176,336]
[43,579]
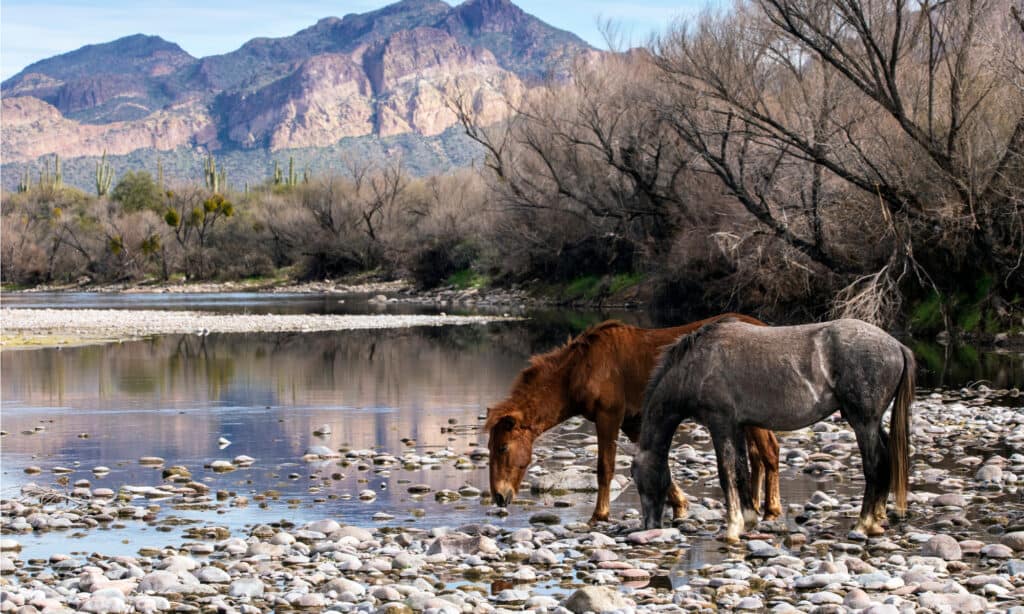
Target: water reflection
[395,391]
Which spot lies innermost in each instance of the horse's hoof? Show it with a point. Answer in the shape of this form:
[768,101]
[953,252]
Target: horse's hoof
[596,518]
[729,538]
[680,513]
[771,516]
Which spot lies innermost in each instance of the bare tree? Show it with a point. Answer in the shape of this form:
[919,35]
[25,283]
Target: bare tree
[787,100]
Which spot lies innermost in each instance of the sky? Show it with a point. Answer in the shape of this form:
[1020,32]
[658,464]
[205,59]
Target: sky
[31,30]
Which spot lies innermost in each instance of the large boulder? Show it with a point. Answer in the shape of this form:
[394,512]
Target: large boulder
[596,599]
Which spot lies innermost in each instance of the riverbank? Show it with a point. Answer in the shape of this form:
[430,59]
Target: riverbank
[42,327]
[959,549]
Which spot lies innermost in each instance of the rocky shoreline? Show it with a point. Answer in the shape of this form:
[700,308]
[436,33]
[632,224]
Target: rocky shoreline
[31,326]
[961,549]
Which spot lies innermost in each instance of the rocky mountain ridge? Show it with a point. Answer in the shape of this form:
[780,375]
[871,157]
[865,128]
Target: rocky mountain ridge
[374,75]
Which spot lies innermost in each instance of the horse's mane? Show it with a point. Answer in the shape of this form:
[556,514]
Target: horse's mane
[675,352]
[551,362]
[573,348]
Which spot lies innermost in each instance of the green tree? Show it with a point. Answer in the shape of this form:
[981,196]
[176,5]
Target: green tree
[137,191]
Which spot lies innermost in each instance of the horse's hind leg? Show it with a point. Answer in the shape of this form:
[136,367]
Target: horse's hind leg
[733,475]
[764,466]
[875,457]
[770,458]
[756,468]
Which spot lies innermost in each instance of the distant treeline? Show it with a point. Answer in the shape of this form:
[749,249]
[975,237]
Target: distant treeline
[791,159]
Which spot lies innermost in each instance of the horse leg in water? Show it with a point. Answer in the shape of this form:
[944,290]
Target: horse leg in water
[763,452]
[874,452]
[757,471]
[767,445]
[607,435]
[734,476]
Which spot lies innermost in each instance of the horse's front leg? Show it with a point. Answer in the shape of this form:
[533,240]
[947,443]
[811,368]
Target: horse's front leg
[607,444]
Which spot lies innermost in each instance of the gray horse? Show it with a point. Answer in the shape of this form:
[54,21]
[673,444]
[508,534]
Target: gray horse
[729,375]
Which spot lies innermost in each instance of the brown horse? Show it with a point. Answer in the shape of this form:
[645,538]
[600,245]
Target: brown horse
[601,375]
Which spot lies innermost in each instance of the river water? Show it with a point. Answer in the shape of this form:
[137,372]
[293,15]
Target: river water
[420,391]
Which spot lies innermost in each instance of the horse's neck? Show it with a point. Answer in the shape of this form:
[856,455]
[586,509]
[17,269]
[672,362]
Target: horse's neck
[551,406]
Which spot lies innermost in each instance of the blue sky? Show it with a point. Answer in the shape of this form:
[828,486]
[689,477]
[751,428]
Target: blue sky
[31,30]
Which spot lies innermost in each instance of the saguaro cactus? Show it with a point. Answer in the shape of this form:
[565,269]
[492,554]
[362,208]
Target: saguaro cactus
[25,183]
[215,179]
[50,180]
[104,176]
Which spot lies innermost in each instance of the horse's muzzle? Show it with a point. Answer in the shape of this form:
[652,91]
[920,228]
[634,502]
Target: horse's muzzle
[502,500]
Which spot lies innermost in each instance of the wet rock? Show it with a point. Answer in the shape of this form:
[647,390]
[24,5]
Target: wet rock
[652,536]
[545,518]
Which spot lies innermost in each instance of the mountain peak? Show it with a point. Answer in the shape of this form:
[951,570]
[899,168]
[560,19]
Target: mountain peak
[483,15]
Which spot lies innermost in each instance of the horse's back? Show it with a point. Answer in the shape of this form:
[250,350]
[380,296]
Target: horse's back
[734,364]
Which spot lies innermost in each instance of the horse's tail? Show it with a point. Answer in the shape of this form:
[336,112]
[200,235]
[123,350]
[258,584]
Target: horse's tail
[899,431]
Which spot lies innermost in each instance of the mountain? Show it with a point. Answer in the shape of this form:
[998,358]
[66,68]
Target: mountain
[377,75]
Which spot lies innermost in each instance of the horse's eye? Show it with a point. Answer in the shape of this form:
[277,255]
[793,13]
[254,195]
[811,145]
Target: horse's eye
[503,448]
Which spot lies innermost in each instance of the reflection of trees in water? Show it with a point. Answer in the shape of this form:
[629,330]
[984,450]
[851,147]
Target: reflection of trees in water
[956,366]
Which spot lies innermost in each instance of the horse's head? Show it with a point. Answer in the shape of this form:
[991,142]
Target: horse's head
[652,482]
[511,448]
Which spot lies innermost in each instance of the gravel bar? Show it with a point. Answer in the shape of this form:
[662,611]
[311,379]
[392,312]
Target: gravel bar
[123,322]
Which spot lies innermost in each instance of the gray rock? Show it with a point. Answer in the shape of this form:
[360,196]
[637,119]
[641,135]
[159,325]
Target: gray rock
[213,575]
[595,599]
[246,587]
[573,478]
[652,536]
[159,582]
[824,598]
[951,603]
[856,599]
[452,545]
[543,556]
[749,603]
[1013,568]
[881,608]
[763,550]
[944,547]
[997,551]
[1014,540]
[989,473]
[949,499]
[148,604]
[106,601]
[545,518]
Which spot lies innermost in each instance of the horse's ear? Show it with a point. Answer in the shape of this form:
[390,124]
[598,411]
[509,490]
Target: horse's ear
[504,418]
